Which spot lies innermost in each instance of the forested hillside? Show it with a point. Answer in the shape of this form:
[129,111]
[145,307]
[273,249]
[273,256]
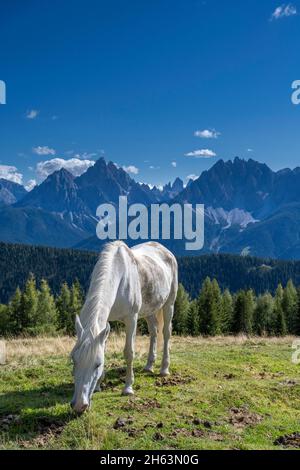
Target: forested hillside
[65,265]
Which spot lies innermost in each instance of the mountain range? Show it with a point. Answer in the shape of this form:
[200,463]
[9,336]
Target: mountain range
[249,209]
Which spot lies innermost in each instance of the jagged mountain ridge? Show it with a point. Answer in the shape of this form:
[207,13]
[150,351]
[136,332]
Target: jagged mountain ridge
[10,192]
[248,207]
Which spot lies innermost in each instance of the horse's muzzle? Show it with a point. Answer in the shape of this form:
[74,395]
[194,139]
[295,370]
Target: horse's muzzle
[79,408]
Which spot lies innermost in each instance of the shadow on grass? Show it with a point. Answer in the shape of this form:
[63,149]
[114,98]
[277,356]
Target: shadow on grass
[27,414]
[33,413]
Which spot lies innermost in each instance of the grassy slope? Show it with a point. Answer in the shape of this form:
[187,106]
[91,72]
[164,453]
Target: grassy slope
[210,378]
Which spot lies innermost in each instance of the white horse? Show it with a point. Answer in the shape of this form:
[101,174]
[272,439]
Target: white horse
[126,284]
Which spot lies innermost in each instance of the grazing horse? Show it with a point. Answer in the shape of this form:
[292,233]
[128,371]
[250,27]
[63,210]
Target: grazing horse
[126,284]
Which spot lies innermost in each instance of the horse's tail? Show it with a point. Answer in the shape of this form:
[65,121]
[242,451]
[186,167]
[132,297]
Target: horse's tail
[160,326]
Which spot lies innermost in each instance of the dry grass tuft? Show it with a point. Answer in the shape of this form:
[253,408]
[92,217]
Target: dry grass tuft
[23,348]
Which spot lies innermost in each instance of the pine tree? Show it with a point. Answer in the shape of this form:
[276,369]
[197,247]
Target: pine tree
[29,305]
[289,305]
[280,328]
[243,312]
[192,320]
[63,305]
[16,314]
[181,309]
[46,310]
[209,307]
[226,316]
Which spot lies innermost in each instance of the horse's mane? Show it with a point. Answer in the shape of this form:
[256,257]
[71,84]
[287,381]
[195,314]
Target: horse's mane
[97,294]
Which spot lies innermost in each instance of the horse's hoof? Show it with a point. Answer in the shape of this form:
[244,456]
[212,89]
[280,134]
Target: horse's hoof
[127,391]
[148,370]
[164,373]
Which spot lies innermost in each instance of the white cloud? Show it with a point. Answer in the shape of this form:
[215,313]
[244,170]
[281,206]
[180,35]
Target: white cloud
[32,114]
[11,173]
[154,167]
[207,134]
[30,185]
[43,150]
[192,177]
[202,153]
[131,169]
[283,11]
[85,155]
[250,150]
[174,164]
[73,165]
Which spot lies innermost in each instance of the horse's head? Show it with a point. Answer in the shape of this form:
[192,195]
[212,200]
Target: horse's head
[88,360]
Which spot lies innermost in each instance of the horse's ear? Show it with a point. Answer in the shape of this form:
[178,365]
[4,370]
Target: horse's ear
[102,337]
[78,327]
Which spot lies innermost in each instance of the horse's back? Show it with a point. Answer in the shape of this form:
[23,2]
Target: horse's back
[157,268]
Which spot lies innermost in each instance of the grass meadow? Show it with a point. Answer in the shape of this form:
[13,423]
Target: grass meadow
[224,393]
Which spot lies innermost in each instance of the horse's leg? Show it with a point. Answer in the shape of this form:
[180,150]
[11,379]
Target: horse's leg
[167,331]
[152,327]
[131,324]
[98,386]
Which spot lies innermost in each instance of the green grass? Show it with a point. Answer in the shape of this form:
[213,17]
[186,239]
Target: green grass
[223,394]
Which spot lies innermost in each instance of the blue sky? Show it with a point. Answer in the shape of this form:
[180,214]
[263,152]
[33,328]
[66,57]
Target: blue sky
[134,80]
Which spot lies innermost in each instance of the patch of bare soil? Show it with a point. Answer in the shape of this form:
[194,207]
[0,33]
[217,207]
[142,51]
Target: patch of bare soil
[289,440]
[229,376]
[242,417]
[172,380]
[110,385]
[196,433]
[125,425]
[289,383]
[158,436]
[141,405]
[47,430]
[8,420]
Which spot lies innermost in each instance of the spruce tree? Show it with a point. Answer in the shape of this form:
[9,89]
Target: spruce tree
[16,314]
[63,305]
[243,312]
[75,308]
[262,322]
[192,320]
[226,316]
[289,305]
[280,328]
[297,322]
[181,309]
[46,310]
[29,305]
[209,305]
[4,321]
